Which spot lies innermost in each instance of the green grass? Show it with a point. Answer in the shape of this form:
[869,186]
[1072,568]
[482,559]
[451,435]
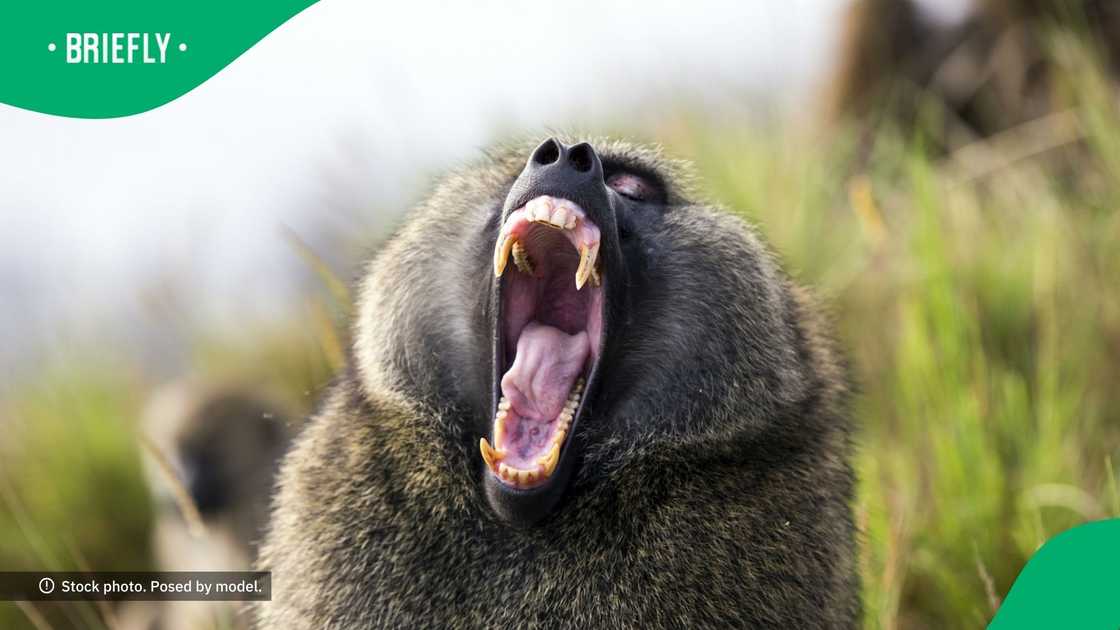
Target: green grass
[72,491]
[982,313]
[978,300]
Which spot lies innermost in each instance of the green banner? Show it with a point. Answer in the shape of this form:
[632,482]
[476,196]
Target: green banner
[1073,581]
[90,59]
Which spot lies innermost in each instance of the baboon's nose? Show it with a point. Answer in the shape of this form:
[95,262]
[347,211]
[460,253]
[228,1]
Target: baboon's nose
[575,170]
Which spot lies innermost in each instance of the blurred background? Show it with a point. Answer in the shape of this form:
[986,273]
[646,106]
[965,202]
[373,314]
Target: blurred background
[945,173]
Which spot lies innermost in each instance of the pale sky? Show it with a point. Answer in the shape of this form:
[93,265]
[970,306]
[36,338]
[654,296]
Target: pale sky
[344,103]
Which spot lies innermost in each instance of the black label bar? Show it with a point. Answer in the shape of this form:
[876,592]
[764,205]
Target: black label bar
[241,586]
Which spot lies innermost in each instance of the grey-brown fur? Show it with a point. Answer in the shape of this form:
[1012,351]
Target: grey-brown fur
[714,491]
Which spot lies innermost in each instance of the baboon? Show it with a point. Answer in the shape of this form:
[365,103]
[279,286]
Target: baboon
[990,71]
[577,397]
[222,445]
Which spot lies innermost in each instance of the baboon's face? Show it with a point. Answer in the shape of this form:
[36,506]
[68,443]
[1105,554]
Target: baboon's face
[227,452]
[223,448]
[618,314]
[575,314]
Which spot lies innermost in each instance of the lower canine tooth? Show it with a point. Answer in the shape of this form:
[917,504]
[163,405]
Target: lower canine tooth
[521,258]
[489,454]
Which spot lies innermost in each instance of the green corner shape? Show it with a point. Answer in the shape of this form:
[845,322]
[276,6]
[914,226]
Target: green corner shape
[38,70]
[1073,581]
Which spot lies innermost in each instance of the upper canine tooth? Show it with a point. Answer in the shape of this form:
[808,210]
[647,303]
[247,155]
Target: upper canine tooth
[521,258]
[587,256]
[501,253]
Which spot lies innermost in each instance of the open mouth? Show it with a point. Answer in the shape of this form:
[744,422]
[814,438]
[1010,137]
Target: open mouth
[550,323]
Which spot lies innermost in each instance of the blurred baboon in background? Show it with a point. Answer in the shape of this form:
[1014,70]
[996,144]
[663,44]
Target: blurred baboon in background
[212,457]
[990,70]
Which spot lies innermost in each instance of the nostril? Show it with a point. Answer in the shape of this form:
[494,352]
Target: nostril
[580,157]
[547,153]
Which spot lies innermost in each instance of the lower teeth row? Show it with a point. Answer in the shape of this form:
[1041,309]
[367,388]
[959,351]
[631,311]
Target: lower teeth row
[545,464]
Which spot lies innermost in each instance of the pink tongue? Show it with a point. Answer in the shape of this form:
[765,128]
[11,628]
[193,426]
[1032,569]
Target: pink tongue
[546,366]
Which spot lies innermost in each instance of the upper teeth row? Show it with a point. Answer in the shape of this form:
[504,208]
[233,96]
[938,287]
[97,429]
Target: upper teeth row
[557,213]
[521,258]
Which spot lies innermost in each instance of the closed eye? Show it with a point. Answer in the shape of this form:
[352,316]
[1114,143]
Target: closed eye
[633,187]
